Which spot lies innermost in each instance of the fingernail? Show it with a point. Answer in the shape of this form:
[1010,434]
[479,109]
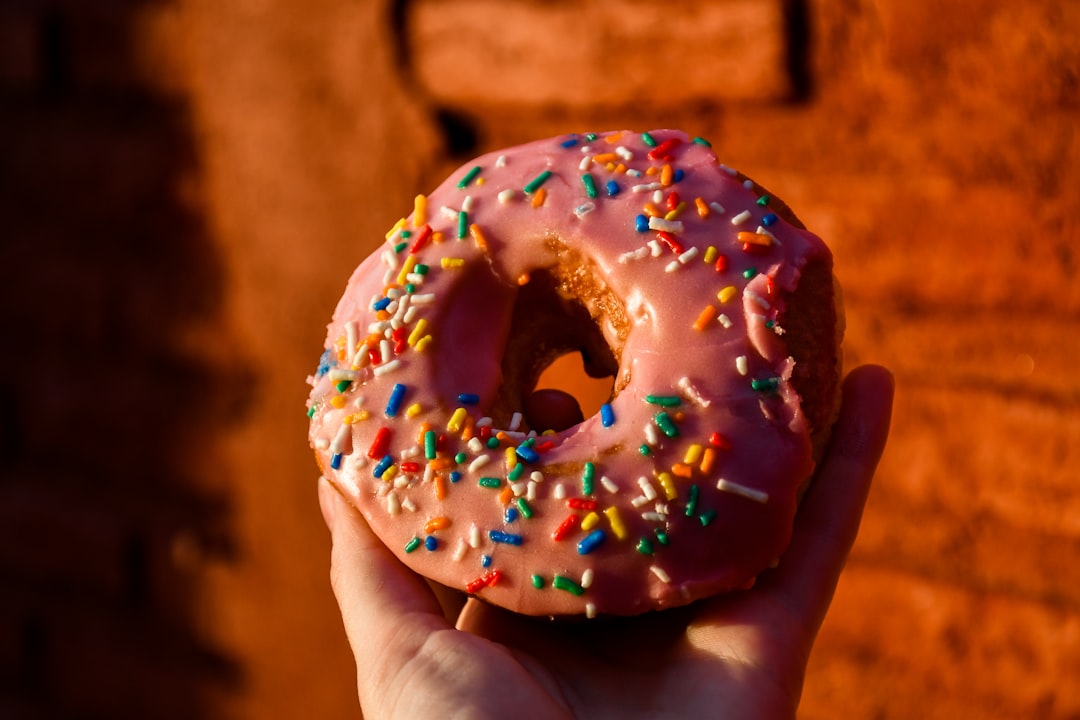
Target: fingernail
[327,502]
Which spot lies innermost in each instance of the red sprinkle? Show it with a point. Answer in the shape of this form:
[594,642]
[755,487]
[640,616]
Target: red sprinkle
[755,249]
[770,284]
[721,263]
[421,239]
[581,504]
[401,340]
[485,432]
[543,447]
[663,150]
[485,580]
[374,355]
[380,444]
[566,527]
[718,440]
[669,240]
[673,201]
[410,467]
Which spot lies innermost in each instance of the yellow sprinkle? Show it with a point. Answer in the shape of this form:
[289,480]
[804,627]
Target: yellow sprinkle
[610,167]
[511,458]
[710,255]
[616,522]
[481,180]
[418,331]
[702,207]
[753,238]
[681,470]
[390,473]
[676,212]
[422,343]
[337,401]
[419,211]
[590,521]
[454,262]
[397,226]
[705,318]
[667,175]
[413,410]
[668,484]
[478,236]
[727,293]
[538,197]
[456,420]
[708,459]
[693,454]
[410,263]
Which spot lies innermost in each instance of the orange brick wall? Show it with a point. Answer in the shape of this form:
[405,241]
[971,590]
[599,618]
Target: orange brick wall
[186,184]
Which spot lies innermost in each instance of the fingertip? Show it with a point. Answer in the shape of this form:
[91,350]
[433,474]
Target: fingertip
[329,498]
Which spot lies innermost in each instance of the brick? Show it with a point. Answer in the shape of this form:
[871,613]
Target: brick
[475,53]
[897,645]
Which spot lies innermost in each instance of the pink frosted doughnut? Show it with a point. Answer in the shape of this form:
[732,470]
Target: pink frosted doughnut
[704,298]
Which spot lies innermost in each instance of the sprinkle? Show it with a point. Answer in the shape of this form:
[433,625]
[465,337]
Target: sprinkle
[590,610]
[590,542]
[478,462]
[590,185]
[587,578]
[666,425]
[664,400]
[524,508]
[663,150]
[641,223]
[660,224]
[380,444]
[485,561]
[693,454]
[769,220]
[704,318]
[396,400]
[587,478]
[527,454]
[497,536]
[612,188]
[760,240]
[384,465]
[478,237]
[469,177]
[462,224]
[419,330]
[691,392]
[744,491]
[511,515]
[566,527]
[335,461]
[539,197]
[538,581]
[763,200]
[489,482]
[687,256]
[607,415]
[727,293]
[422,239]
[505,196]
[393,504]
[707,517]
[741,217]
[485,580]
[536,182]
[660,573]
[615,520]
[560,582]
[584,209]
[589,521]
[576,503]
[648,139]
[412,544]
[668,485]
[691,502]
[431,440]
[765,384]
[431,543]
[456,420]
[750,272]
[741,365]
[645,546]
[515,420]
[647,488]
[468,398]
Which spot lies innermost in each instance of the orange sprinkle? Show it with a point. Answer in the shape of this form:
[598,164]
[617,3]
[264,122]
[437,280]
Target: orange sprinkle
[605,157]
[614,138]
[437,237]
[443,463]
[506,495]
[651,170]
[478,236]
[705,318]
[651,210]
[424,427]
[538,197]
[708,459]
[436,523]
[620,168]
[667,176]
[702,207]
[337,401]
[682,470]
[610,167]
[440,493]
[753,238]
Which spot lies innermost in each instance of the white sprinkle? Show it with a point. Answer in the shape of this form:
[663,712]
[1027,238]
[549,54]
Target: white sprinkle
[672,266]
[484,422]
[403,306]
[393,293]
[322,443]
[586,149]
[653,516]
[658,196]
[410,315]
[460,549]
[741,217]
[585,163]
[586,578]
[351,331]
[386,349]
[411,451]
[519,488]
[654,248]
[746,492]
[336,375]
[515,421]
[724,320]
[640,501]
[408,504]
[748,184]
[429,473]
[414,278]
[500,161]
[376,328]
[388,277]
[646,487]
[688,255]
[478,462]
[633,173]
[342,442]
[474,536]
[590,610]
[390,258]
[729,170]
[625,153]
[393,504]
[475,445]
[651,438]
[530,492]
[692,392]
[584,209]
[467,204]
[391,309]
[401,481]
[537,476]
[640,254]
[505,196]
[762,318]
[741,365]
[660,573]
[449,213]
[609,484]
[423,299]
[646,187]
[761,230]
[560,492]
[671,226]
[661,509]
[717,208]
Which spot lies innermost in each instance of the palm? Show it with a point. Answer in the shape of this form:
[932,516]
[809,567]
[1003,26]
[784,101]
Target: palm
[738,655]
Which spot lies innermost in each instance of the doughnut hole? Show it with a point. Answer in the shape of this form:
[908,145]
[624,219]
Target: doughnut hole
[565,394]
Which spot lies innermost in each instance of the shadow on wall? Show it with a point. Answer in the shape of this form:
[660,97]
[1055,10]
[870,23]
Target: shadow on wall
[115,380]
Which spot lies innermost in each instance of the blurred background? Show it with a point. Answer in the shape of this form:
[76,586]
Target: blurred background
[185,186]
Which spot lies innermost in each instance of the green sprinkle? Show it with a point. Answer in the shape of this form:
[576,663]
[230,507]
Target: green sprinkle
[664,400]
[343,386]
[489,482]
[516,473]
[707,517]
[412,544]
[410,288]
[311,412]
[702,141]
[400,246]
[523,507]
[536,182]
[648,139]
[666,425]
[538,581]
[431,439]
[645,546]
[590,185]
[763,200]
[406,234]
[587,479]
[590,136]
[691,503]
[749,272]
[469,177]
[462,224]
[529,442]
[460,458]
[492,442]
[662,537]
[644,450]
[421,269]
[765,385]
[564,583]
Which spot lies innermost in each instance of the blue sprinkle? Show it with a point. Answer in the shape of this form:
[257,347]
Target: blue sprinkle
[455,476]
[397,398]
[335,461]
[485,560]
[607,415]
[591,541]
[569,143]
[678,176]
[526,454]
[511,514]
[769,220]
[612,188]
[382,303]
[383,465]
[326,361]
[430,542]
[641,223]
[468,398]
[505,538]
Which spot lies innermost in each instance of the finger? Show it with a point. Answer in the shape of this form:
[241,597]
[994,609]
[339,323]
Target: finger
[828,518]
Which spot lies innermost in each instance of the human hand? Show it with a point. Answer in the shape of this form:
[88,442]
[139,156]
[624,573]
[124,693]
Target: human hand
[739,655]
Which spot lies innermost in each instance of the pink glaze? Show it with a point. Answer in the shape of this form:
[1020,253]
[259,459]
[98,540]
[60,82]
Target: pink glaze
[660,547]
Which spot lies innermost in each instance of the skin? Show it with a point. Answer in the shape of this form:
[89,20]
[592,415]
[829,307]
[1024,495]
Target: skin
[422,653]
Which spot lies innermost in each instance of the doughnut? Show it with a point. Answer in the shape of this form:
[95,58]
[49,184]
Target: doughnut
[702,297]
